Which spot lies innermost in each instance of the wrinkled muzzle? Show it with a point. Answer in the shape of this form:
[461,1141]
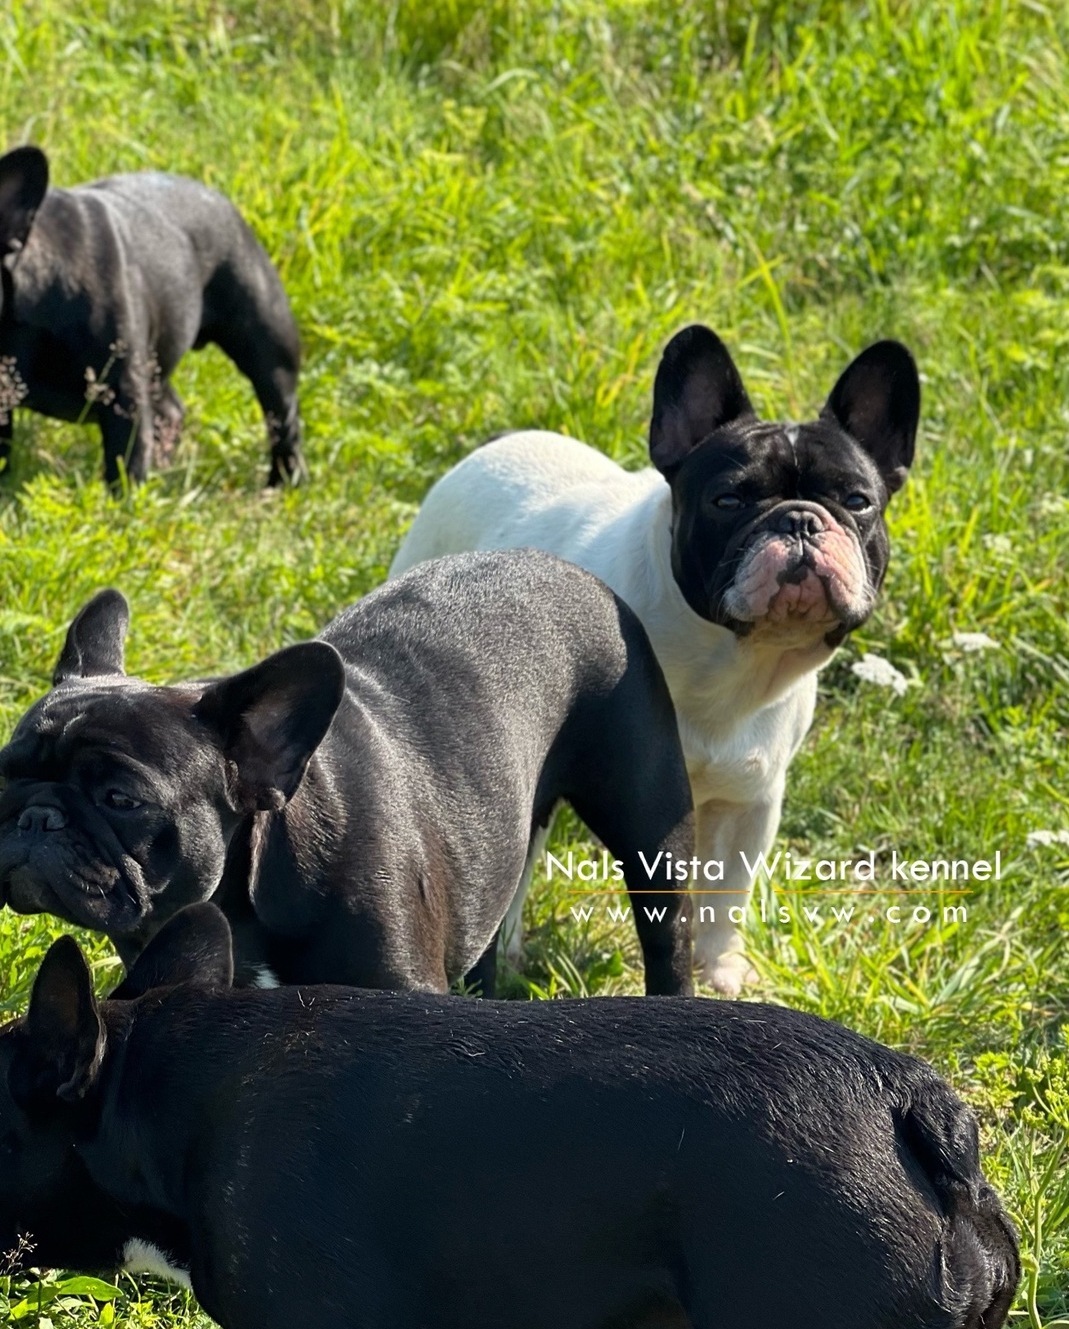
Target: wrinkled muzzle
[59,856]
[801,567]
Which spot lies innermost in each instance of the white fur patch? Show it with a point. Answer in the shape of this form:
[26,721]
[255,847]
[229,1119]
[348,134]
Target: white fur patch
[141,1257]
[265,977]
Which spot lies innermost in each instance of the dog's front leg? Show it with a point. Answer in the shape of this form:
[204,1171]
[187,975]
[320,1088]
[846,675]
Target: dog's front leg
[729,839]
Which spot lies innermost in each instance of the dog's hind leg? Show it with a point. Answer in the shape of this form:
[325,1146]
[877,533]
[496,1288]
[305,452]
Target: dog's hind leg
[126,425]
[482,977]
[510,934]
[276,391]
[635,796]
[168,416]
[251,322]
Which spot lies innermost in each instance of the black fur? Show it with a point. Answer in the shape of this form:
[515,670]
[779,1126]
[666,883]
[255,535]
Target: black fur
[314,1156]
[107,285]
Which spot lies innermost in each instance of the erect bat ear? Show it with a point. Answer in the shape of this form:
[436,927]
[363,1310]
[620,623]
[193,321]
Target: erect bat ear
[95,639]
[272,717]
[697,389]
[194,947]
[23,184]
[61,1053]
[877,400]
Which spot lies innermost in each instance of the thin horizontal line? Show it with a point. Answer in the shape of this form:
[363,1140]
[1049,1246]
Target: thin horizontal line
[887,890]
[778,890]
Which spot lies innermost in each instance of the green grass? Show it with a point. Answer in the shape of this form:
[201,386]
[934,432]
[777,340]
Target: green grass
[495,215]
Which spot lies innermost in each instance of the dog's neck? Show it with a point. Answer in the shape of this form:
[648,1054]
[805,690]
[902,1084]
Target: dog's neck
[122,1155]
[727,678]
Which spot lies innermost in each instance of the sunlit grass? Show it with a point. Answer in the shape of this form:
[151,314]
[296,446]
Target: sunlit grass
[493,215]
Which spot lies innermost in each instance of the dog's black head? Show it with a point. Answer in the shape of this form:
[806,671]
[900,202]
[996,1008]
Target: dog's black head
[118,798]
[779,528]
[23,185]
[52,1064]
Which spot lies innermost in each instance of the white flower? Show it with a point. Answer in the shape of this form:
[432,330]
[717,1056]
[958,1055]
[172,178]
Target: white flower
[974,641]
[875,669]
[1036,838]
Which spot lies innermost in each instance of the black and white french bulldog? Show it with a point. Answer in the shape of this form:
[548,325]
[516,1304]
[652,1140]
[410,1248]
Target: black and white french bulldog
[749,553]
[361,806]
[107,285]
[325,1156]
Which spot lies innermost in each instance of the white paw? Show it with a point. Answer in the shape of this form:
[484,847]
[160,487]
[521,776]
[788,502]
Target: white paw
[728,973]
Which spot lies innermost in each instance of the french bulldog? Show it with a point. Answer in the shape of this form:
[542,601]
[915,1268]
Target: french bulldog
[749,551]
[103,289]
[361,806]
[315,1156]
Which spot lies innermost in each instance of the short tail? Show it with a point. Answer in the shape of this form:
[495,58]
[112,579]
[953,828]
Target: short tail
[981,1265]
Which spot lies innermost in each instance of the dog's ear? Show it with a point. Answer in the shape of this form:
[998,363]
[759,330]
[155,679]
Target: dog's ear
[95,639]
[194,947]
[23,184]
[697,390]
[63,1040]
[271,718]
[877,400]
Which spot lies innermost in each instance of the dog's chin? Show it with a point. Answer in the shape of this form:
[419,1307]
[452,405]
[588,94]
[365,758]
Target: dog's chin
[26,893]
[804,602]
[799,613]
[101,902]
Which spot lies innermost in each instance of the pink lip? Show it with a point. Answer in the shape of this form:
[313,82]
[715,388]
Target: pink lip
[800,599]
[772,583]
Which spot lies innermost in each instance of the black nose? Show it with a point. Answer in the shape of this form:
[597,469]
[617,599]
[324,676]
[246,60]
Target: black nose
[800,523]
[41,817]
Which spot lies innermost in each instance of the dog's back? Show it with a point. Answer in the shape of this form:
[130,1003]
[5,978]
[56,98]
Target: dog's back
[722,1163]
[163,235]
[329,1155]
[535,489]
[195,232]
[519,672]
[522,606]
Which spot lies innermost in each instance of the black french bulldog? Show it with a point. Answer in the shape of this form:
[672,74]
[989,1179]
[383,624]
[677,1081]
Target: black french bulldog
[107,285]
[313,1156]
[363,807]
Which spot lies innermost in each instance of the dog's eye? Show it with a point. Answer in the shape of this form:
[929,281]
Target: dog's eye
[729,502]
[115,798]
[857,503]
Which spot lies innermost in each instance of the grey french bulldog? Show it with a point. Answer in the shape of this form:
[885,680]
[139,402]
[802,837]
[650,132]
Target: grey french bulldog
[366,806]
